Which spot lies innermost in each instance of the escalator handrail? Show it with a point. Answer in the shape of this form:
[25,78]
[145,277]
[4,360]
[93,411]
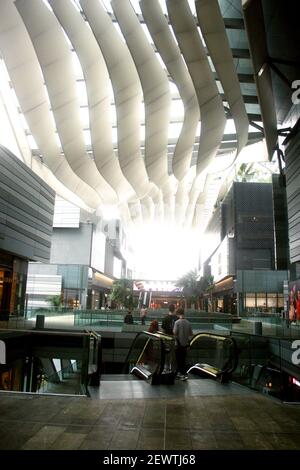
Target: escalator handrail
[95,375]
[93,333]
[226,369]
[158,336]
[210,335]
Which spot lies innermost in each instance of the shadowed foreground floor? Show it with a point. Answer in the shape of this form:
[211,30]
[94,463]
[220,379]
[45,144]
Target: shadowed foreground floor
[226,420]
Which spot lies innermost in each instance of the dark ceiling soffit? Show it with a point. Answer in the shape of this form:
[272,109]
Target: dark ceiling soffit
[243,77]
[292,133]
[255,28]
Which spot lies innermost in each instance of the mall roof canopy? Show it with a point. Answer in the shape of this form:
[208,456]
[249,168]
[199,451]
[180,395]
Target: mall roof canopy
[141,104]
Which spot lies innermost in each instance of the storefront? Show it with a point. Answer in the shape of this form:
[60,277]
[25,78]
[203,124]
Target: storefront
[251,291]
[222,298]
[264,302]
[13,275]
[99,287]
[260,291]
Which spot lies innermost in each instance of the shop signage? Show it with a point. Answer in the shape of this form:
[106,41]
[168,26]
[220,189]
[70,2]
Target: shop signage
[296,382]
[296,354]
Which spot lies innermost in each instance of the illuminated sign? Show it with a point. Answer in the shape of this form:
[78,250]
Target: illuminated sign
[220,261]
[156,286]
[296,382]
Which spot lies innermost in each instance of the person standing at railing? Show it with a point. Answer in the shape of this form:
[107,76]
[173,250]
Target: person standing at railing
[128,319]
[153,327]
[169,321]
[143,314]
[182,332]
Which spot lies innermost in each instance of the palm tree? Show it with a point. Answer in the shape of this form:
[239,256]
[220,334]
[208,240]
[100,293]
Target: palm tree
[255,172]
[206,283]
[190,287]
[246,173]
[122,293]
[55,301]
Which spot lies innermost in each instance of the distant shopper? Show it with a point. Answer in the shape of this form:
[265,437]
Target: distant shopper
[153,327]
[169,321]
[128,319]
[182,332]
[143,314]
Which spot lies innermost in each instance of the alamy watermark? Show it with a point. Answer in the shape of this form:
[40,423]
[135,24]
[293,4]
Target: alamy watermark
[296,93]
[2,352]
[296,353]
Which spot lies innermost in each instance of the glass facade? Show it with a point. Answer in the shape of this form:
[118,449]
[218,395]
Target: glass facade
[268,302]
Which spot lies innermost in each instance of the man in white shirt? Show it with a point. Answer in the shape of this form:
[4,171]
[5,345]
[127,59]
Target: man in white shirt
[182,332]
[143,314]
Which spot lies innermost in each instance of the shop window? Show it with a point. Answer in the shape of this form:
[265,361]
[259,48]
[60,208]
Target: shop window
[280,301]
[272,301]
[261,301]
[250,301]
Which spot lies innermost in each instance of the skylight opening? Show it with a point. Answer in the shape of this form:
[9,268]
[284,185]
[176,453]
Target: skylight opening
[81,93]
[147,34]
[136,6]
[24,123]
[106,4]
[177,110]
[31,142]
[117,27]
[163,6]
[87,137]
[84,117]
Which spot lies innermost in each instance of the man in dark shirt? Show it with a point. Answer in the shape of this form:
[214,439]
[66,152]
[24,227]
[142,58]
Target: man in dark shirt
[128,318]
[169,320]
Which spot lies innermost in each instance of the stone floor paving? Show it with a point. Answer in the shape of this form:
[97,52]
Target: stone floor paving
[228,421]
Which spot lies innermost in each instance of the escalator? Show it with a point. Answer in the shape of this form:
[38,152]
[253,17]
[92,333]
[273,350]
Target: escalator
[152,358]
[212,355]
[261,363]
[50,361]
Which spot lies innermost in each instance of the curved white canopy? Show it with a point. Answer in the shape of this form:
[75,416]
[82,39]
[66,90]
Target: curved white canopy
[126,106]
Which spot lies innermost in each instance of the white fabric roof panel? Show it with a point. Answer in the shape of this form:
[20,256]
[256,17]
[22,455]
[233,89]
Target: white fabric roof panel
[132,139]
[197,188]
[23,67]
[55,59]
[127,93]
[157,97]
[170,53]
[214,33]
[97,86]
[211,107]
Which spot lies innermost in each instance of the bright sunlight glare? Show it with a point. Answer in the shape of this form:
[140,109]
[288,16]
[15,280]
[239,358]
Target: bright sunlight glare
[164,253]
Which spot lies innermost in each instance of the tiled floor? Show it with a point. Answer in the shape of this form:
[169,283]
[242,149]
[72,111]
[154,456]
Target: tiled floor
[112,389]
[199,416]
